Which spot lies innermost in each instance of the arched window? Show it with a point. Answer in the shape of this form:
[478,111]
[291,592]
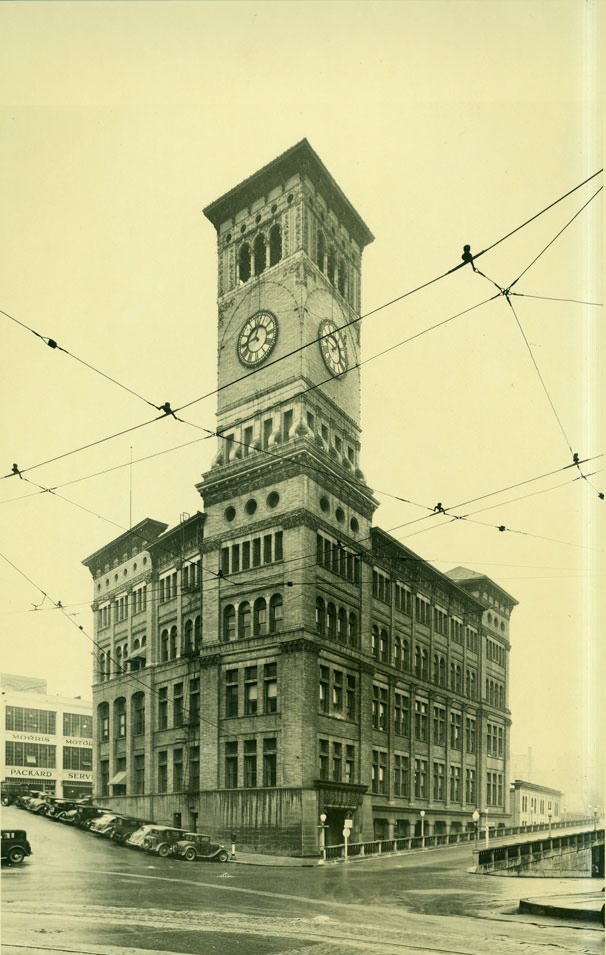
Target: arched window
[459,678]
[138,714]
[120,718]
[384,646]
[103,718]
[436,668]
[260,617]
[244,262]
[320,616]
[330,265]
[405,655]
[374,645]
[425,664]
[397,652]
[353,630]
[341,277]
[275,613]
[320,251]
[331,621]
[417,661]
[173,643]
[229,622]
[244,620]
[275,244]
[198,634]
[259,251]
[118,661]
[342,634]
[442,680]
[164,646]
[452,676]
[188,632]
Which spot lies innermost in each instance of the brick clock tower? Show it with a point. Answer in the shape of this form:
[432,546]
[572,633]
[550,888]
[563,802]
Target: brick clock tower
[288,512]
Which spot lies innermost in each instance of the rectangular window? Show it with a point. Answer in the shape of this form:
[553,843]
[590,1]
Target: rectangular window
[455,730]
[278,545]
[422,610]
[439,725]
[78,757]
[104,768]
[231,765]
[438,781]
[267,542]
[163,708]
[245,555]
[324,689]
[163,771]
[250,691]
[337,690]
[231,692]
[26,720]
[420,779]
[421,720]
[225,560]
[267,429]
[337,762]
[455,784]
[250,763]
[139,781]
[350,697]
[470,786]
[401,781]
[75,724]
[349,773]
[194,769]
[194,701]
[177,770]
[235,558]
[270,761]
[379,765]
[247,440]
[400,721]
[323,758]
[256,551]
[470,734]
[178,704]
[270,688]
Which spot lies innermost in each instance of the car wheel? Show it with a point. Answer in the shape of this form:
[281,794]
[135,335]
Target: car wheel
[163,849]
[190,854]
[223,856]
[16,855]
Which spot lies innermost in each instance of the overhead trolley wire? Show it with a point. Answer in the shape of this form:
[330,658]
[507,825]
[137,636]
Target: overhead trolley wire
[166,408]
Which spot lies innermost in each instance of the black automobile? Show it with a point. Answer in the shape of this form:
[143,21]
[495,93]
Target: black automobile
[15,846]
[199,846]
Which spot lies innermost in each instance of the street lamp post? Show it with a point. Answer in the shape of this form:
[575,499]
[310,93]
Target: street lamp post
[476,818]
[322,827]
[422,814]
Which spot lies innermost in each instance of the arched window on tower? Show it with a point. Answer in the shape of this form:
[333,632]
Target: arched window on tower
[164,646]
[173,643]
[244,620]
[320,251]
[275,244]
[229,622]
[198,634]
[260,253]
[330,265]
[188,643]
[260,617]
[275,613]
[244,262]
[342,277]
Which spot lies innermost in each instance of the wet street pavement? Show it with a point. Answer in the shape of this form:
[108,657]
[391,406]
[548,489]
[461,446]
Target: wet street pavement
[80,893]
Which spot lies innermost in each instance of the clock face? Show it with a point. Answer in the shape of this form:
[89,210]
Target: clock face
[333,347]
[257,338]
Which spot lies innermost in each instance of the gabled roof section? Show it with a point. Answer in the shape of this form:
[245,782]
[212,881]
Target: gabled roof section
[302,159]
[142,534]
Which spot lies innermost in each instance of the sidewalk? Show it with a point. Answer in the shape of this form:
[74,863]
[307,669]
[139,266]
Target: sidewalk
[584,907]
[257,858]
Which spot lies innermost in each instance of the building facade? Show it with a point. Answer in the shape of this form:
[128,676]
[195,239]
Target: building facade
[532,804]
[47,740]
[277,657]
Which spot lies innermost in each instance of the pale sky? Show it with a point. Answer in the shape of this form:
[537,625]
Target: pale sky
[444,123]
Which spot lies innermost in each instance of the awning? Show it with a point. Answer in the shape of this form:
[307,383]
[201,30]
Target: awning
[117,779]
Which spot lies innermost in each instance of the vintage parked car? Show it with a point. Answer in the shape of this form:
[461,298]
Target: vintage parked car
[103,823]
[15,846]
[124,827]
[157,839]
[199,847]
